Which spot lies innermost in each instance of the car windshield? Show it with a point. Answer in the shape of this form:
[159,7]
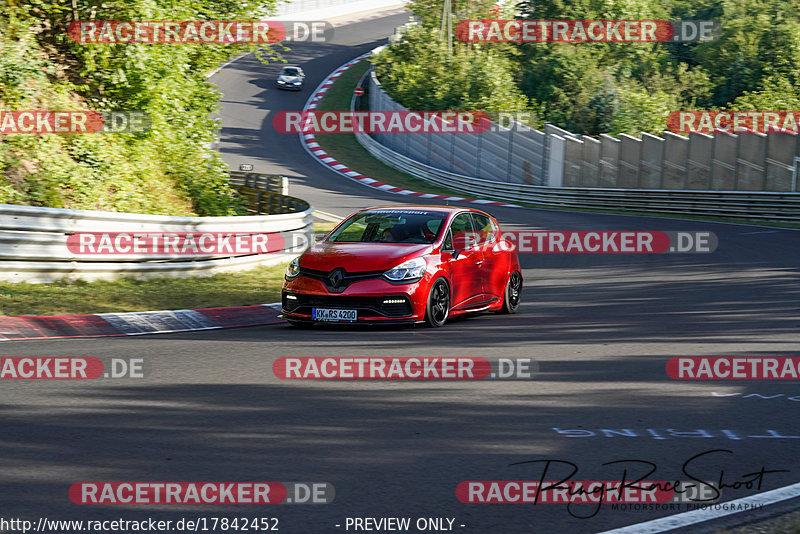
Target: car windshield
[291,71]
[390,226]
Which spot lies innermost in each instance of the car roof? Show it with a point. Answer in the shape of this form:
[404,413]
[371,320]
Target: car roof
[434,208]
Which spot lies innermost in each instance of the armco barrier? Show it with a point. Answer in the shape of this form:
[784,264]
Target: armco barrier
[766,206]
[752,205]
[265,194]
[33,242]
[699,162]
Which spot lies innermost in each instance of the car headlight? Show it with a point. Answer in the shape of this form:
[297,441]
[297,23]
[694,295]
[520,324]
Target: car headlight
[407,271]
[281,81]
[293,269]
[298,83]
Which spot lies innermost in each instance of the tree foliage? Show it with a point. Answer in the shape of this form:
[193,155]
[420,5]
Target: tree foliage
[421,74]
[593,88]
[170,168]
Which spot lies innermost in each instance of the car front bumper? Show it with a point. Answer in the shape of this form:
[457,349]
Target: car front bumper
[375,301]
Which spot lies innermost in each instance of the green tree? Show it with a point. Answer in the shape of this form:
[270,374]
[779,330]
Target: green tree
[419,73]
[776,93]
[642,111]
[169,169]
[757,39]
[429,12]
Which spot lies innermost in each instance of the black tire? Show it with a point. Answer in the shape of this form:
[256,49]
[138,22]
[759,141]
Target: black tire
[438,306]
[513,293]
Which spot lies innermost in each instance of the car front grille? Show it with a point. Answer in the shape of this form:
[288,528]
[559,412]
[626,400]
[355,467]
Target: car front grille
[398,305]
[345,280]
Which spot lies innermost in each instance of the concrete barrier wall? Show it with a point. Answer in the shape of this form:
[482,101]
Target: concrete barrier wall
[699,162]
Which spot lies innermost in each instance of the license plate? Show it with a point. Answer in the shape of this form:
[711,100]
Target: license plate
[326,314]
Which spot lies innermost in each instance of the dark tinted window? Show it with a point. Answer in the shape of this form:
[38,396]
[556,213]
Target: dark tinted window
[461,223]
[460,229]
[390,226]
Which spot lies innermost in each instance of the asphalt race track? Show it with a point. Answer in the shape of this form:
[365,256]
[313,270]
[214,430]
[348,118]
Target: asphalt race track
[600,327]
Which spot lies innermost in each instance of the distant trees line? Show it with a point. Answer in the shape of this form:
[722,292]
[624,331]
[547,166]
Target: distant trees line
[753,63]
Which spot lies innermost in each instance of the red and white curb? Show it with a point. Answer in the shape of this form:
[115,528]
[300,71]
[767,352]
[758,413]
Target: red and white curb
[136,323]
[312,147]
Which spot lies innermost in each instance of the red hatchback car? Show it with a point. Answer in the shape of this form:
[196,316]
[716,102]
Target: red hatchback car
[404,264]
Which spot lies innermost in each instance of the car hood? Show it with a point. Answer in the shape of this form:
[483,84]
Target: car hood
[289,79]
[357,257]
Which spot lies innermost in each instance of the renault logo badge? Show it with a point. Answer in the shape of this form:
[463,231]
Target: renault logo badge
[336,277]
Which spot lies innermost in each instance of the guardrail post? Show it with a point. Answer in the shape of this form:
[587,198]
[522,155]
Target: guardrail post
[478,159]
[555,163]
[430,147]
[663,160]
[258,203]
[546,155]
[736,163]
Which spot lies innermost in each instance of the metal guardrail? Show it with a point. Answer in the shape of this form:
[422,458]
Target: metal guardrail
[33,241]
[265,194]
[757,205]
[749,205]
[744,205]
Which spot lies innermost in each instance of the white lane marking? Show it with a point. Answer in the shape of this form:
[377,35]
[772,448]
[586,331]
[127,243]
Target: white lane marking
[237,58]
[686,519]
[316,154]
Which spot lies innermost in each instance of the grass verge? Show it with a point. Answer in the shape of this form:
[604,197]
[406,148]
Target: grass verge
[256,286]
[347,150]
[242,288]
[324,227]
